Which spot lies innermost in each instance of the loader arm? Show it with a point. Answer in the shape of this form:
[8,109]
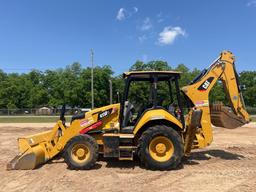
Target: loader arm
[198,90]
[37,149]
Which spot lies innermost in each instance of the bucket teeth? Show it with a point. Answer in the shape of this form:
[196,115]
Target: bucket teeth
[222,117]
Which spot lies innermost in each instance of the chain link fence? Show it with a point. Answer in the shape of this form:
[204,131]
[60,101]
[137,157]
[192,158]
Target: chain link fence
[251,110]
[56,111]
[40,111]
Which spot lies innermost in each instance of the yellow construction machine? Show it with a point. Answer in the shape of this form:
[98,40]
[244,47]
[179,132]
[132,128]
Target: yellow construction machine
[160,130]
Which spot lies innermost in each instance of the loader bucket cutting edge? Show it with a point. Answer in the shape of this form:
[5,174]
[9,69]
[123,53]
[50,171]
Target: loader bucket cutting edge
[31,155]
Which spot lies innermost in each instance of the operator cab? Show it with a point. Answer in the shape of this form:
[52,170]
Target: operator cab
[149,90]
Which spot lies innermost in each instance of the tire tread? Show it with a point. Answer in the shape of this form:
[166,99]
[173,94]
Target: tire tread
[77,139]
[149,134]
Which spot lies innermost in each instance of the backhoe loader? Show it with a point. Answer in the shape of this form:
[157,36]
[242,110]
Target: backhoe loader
[159,130]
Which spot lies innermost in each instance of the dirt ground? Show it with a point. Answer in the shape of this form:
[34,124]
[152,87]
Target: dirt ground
[229,164]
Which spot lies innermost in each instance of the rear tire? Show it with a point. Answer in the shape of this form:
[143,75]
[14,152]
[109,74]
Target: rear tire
[81,152]
[160,148]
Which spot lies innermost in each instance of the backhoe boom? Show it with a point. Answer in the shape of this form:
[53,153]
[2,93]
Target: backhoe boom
[223,68]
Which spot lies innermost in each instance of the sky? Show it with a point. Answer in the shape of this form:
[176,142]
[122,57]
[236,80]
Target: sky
[51,34]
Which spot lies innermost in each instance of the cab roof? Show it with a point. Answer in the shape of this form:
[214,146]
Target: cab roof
[149,74]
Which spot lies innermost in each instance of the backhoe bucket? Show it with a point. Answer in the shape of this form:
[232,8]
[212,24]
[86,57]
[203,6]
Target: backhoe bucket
[222,116]
[33,151]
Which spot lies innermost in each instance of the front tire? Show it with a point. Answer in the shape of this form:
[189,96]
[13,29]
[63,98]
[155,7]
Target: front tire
[160,148]
[81,152]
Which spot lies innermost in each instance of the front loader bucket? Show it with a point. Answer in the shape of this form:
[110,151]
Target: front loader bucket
[221,116]
[33,152]
[28,160]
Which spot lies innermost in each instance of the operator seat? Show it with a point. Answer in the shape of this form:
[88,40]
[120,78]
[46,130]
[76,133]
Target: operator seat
[128,112]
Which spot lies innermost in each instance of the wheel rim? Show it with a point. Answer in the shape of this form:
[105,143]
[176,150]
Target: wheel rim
[80,153]
[161,148]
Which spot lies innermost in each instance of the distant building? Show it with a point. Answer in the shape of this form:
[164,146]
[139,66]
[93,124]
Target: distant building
[44,111]
[85,109]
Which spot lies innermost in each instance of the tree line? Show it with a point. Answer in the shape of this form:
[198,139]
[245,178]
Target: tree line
[72,85]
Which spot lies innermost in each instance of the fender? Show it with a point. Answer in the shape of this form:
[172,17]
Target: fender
[156,114]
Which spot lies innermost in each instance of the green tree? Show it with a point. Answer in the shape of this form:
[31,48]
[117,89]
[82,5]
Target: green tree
[72,85]
[38,92]
[248,87]
[156,65]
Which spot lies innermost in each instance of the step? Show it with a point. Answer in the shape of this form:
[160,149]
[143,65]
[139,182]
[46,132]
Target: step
[126,158]
[126,152]
[127,147]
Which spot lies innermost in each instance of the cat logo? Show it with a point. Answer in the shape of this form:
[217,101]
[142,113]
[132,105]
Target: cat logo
[204,86]
[104,113]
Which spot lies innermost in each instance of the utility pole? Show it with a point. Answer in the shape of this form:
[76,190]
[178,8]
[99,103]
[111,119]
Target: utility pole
[92,91]
[110,92]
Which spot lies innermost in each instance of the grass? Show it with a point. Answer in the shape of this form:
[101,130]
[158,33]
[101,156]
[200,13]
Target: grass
[31,119]
[43,119]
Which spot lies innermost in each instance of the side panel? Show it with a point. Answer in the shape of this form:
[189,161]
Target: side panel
[156,114]
[91,118]
[111,145]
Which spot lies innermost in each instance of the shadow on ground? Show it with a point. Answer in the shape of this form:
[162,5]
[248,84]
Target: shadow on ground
[115,163]
[193,159]
[208,154]
[196,157]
